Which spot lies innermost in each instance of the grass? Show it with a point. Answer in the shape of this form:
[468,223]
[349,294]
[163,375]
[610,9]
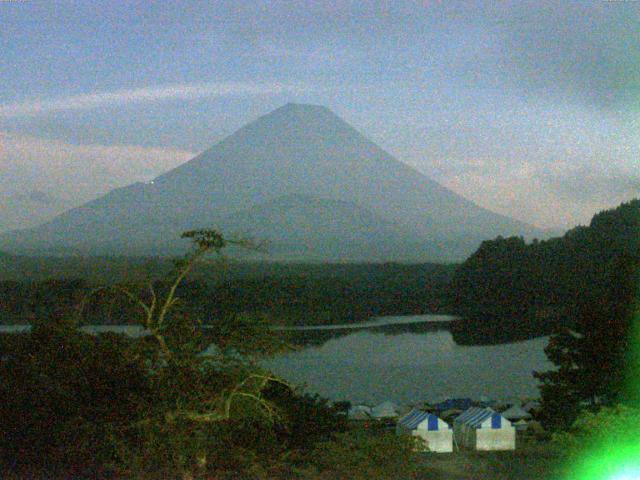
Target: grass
[533,462]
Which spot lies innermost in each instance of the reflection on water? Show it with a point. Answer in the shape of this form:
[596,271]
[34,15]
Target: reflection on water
[403,359]
[409,363]
[319,336]
[129,330]
[376,322]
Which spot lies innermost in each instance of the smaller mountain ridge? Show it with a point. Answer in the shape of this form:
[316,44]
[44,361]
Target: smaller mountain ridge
[307,227]
[28,209]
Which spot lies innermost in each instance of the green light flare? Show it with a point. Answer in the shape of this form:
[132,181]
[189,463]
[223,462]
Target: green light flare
[612,462]
[614,452]
[633,474]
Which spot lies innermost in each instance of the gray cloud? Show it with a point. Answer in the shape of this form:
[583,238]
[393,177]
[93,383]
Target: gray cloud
[587,50]
[41,178]
[77,173]
[146,94]
[583,184]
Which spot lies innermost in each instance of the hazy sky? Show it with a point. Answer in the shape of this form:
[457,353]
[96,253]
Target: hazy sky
[528,108]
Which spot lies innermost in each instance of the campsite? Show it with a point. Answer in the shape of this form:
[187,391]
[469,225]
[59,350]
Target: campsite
[530,457]
[478,428]
[319,240]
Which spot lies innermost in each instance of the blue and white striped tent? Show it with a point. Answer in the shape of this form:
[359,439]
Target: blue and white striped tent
[435,432]
[424,420]
[484,429]
[478,417]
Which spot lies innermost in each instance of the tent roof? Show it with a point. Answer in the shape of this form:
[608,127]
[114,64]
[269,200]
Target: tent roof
[515,413]
[449,403]
[365,408]
[385,409]
[475,417]
[360,411]
[419,418]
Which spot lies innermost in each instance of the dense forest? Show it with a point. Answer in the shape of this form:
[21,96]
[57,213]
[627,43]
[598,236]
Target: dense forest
[525,290]
[284,293]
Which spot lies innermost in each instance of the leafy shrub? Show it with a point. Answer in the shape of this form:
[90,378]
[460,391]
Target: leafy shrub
[617,425]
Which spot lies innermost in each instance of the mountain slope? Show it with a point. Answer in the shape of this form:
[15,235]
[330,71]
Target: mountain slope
[306,227]
[29,209]
[294,150]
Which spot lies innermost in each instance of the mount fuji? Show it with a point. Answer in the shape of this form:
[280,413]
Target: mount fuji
[300,178]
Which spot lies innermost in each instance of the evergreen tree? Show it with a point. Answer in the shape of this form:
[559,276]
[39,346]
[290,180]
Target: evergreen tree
[591,357]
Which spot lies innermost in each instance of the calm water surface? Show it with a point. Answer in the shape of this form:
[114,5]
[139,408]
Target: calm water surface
[369,366]
[405,359]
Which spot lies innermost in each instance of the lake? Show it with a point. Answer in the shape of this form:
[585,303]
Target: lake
[408,360]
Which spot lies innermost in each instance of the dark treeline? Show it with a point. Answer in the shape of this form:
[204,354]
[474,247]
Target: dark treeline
[286,294]
[533,289]
[584,291]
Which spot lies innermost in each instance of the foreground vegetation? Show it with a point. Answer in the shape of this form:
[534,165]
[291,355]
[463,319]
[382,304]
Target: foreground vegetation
[165,406]
[74,405]
[534,462]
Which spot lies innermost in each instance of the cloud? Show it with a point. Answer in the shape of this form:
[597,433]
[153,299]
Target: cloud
[550,165]
[32,169]
[583,184]
[558,195]
[147,94]
[586,50]
[48,165]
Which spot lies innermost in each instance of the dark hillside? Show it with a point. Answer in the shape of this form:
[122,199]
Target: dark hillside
[509,284]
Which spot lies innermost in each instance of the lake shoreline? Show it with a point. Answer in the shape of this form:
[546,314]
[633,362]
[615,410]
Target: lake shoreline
[374,322]
[406,359]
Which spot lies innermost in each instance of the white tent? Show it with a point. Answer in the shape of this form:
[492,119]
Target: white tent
[384,410]
[516,413]
[484,429]
[359,412]
[436,433]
